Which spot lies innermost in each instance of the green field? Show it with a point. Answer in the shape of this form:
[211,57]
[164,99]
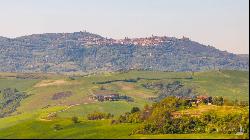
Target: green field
[27,121]
[33,128]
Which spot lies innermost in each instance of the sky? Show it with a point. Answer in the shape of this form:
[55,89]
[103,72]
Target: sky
[223,24]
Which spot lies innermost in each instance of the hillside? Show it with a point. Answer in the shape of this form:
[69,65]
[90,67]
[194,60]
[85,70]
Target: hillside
[53,99]
[47,90]
[86,52]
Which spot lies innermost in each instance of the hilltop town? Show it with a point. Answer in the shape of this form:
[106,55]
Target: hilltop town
[92,39]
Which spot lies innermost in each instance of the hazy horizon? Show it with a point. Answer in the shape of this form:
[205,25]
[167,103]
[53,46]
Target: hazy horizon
[223,24]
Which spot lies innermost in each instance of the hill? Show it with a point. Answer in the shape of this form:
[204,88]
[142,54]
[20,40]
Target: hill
[53,99]
[62,90]
[86,52]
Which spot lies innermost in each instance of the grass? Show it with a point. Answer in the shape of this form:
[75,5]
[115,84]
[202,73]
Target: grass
[19,84]
[90,129]
[220,110]
[22,117]
[85,129]
[190,136]
[116,108]
[229,84]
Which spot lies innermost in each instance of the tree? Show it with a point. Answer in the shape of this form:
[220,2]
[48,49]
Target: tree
[192,76]
[108,116]
[135,117]
[102,88]
[218,101]
[124,118]
[146,112]
[135,109]
[236,102]
[161,119]
[75,119]
[99,115]
[71,78]
[57,127]
[244,103]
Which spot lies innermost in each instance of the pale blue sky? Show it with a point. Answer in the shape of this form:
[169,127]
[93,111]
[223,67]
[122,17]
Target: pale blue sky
[220,23]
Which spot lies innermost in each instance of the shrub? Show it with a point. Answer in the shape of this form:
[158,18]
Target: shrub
[158,119]
[135,109]
[75,119]
[218,101]
[9,100]
[244,103]
[114,121]
[99,116]
[71,78]
[108,116]
[57,127]
[102,88]
[124,118]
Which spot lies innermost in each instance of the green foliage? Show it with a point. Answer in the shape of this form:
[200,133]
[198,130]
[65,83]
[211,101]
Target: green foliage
[123,80]
[209,123]
[157,115]
[244,103]
[218,101]
[161,120]
[99,115]
[173,88]
[75,119]
[236,103]
[135,109]
[57,127]
[72,78]
[134,116]
[123,118]
[172,54]
[9,100]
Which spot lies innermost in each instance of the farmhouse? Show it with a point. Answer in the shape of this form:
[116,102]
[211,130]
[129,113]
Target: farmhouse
[203,98]
[198,99]
[105,96]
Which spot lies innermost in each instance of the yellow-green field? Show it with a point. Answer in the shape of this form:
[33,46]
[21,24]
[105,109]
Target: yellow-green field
[31,126]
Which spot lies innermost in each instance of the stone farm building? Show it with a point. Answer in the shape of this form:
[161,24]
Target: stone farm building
[105,96]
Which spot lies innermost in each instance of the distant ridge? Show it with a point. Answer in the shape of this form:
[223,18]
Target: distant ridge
[87,52]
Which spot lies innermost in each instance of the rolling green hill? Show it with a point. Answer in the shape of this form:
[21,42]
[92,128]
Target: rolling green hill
[30,120]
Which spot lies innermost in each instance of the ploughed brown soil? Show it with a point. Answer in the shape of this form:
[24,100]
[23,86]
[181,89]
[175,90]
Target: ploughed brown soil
[61,95]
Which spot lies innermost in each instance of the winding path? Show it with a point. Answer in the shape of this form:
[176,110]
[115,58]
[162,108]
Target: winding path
[53,113]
